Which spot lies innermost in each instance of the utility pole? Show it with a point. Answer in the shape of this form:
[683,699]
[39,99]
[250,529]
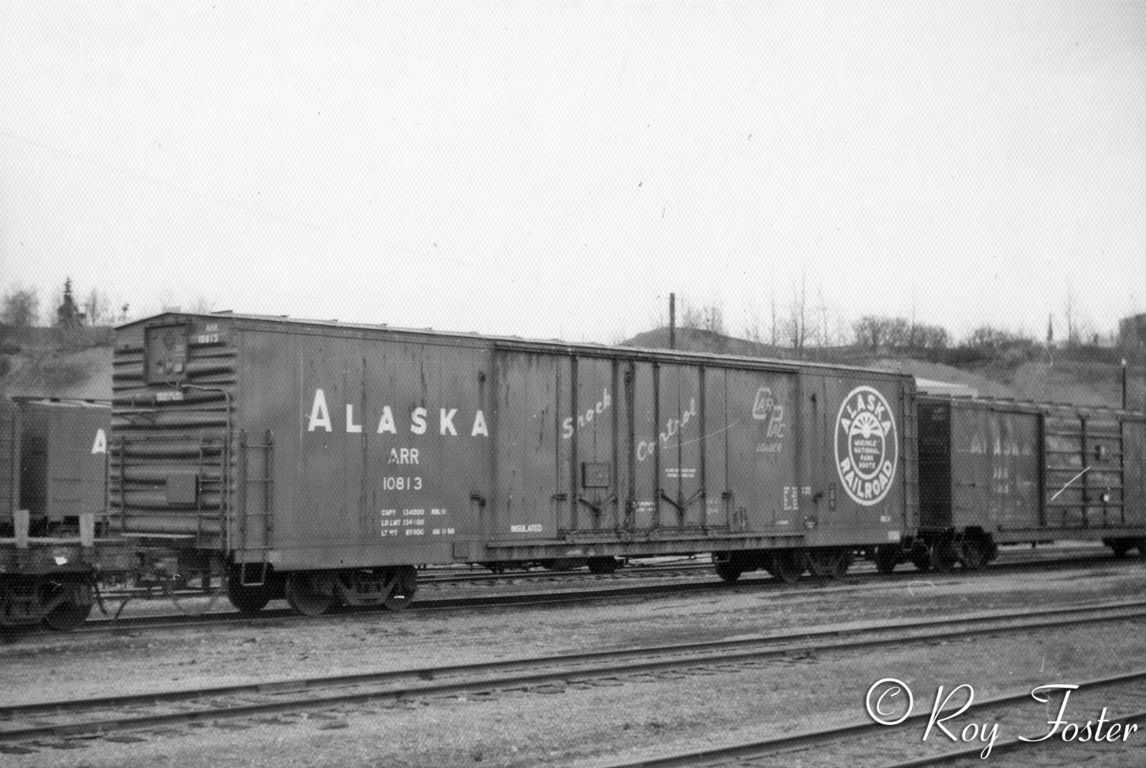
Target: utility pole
[1124,370]
[672,321]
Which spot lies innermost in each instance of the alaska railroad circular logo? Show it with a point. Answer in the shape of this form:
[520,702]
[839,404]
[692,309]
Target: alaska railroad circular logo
[867,446]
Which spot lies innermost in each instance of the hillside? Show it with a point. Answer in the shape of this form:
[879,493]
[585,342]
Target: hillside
[48,362]
[1057,377]
[45,362]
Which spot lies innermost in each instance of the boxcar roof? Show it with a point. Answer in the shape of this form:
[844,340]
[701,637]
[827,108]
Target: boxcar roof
[60,402]
[280,322]
[1023,406]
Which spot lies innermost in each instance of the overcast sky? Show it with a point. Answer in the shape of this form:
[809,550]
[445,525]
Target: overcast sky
[550,169]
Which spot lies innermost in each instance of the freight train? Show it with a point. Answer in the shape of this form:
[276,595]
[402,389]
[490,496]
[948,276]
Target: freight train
[322,462]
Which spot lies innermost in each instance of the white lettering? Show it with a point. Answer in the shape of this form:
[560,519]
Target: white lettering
[418,421]
[403,456]
[100,444]
[479,425]
[445,421]
[319,414]
[585,418]
[351,427]
[386,423]
[1059,720]
[939,706]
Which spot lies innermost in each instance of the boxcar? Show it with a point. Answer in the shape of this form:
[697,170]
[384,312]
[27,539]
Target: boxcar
[324,461]
[52,500]
[53,461]
[994,472]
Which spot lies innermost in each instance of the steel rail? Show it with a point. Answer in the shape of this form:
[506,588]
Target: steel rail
[737,753]
[1010,745]
[563,668]
[536,599]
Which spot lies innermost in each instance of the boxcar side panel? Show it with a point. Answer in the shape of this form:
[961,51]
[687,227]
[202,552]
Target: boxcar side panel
[668,431]
[393,452]
[9,462]
[527,422]
[935,462]
[720,508]
[995,466]
[592,433]
[1134,472]
[855,468]
[326,446]
[1084,470]
[75,460]
[761,436]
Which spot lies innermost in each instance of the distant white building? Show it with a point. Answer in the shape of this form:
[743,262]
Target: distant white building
[932,387]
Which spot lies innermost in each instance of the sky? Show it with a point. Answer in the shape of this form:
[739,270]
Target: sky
[557,169]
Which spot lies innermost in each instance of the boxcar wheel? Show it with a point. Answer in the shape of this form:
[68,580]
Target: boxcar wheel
[405,585]
[602,565]
[921,556]
[828,563]
[886,558]
[308,594]
[787,565]
[974,554]
[728,570]
[247,599]
[943,556]
[67,615]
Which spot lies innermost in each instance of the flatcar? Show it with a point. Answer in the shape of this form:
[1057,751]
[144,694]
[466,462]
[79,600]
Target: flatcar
[997,472]
[322,461]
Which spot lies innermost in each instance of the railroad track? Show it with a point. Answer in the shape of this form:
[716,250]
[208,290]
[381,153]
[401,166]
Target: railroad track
[1124,694]
[434,577]
[30,727]
[207,613]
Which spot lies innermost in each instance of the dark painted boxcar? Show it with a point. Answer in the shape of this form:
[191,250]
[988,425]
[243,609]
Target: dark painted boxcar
[995,472]
[53,461]
[327,459]
[9,464]
[52,498]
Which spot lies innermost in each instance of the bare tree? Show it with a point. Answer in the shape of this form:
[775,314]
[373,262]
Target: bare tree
[1071,329]
[822,327]
[797,324]
[714,318]
[871,331]
[20,307]
[689,316]
[898,333]
[753,330]
[773,316]
[991,339]
[97,307]
[708,317]
[931,337]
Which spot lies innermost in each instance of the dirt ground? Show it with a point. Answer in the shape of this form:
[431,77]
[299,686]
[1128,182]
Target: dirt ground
[589,724]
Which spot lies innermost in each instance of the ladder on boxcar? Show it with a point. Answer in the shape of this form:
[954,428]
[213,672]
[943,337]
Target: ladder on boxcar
[254,574]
